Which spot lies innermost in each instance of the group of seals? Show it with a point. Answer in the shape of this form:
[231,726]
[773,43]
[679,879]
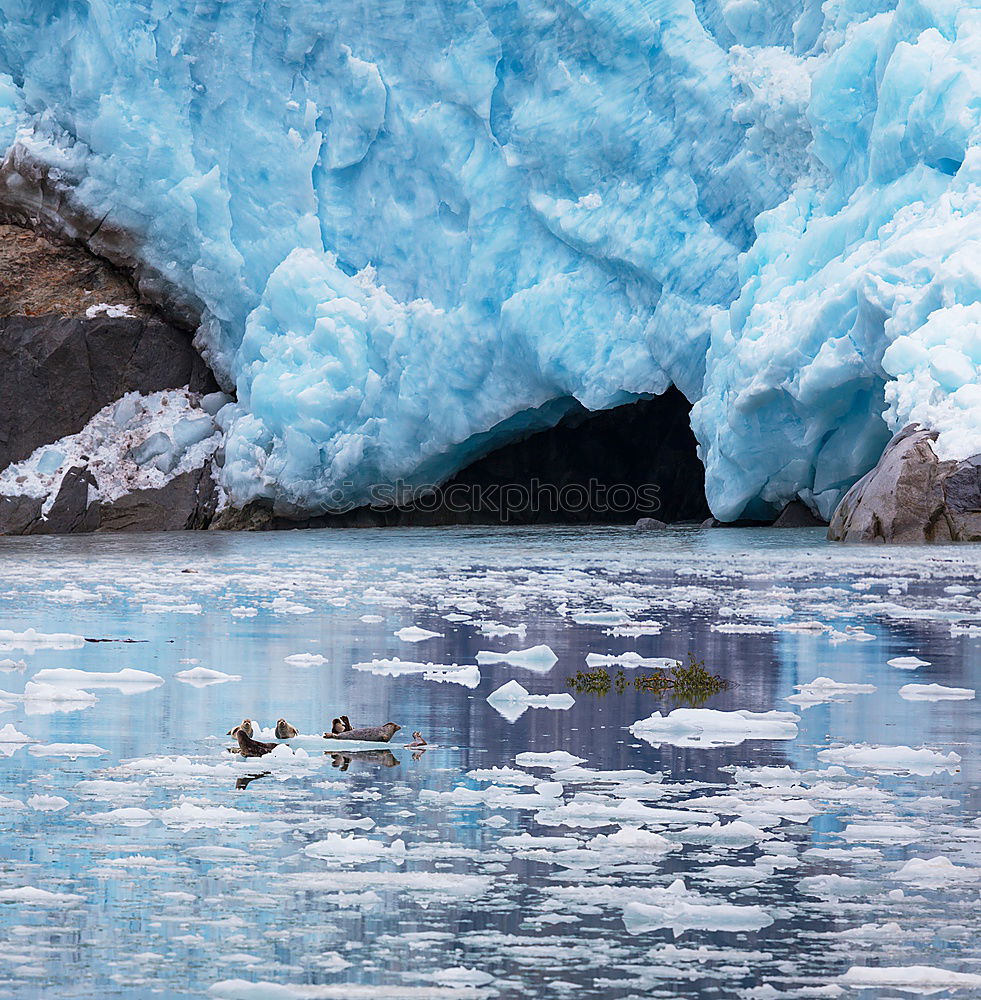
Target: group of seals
[341,729]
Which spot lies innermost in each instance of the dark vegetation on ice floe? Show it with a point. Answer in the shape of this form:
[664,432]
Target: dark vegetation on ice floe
[692,684]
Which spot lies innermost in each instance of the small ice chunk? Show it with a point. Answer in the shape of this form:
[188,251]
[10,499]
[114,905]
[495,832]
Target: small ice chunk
[125,680]
[50,462]
[31,640]
[214,401]
[907,662]
[72,750]
[28,895]
[305,659]
[922,760]
[706,727]
[823,689]
[203,676]
[919,978]
[412,633]
[555,760]
[118,310]
[935,692]
[538,659]
[10,735]
[47,803]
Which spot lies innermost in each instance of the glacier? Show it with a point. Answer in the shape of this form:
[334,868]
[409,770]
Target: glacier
[410,231]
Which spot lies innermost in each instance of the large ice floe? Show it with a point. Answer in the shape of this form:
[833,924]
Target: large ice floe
[410,237]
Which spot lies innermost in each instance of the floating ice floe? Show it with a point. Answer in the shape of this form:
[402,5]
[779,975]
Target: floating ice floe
[555,760]
[630,660]
[935,692]
[356,850]
[203,676]
[824,689]
[7,665]
[851,633]
[634,630]
[123,816]
[127,680]
[47,803]
[601,618]
[454,673]
[538,659]
[72,750]
[915,978]
[171,609]
[701,727]
[935,872]
[741,628]
[10,735]
[413,633]
[907,662]
[512,700]
[922,760]
[305,660]
[28,895]
[45,699]
[31,640]
[682,910]
[284,606]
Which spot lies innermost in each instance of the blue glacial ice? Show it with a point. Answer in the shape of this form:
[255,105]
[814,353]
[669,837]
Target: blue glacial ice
[413,230]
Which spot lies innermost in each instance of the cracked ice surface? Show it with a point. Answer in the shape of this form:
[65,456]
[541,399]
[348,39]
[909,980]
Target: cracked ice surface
[413,235]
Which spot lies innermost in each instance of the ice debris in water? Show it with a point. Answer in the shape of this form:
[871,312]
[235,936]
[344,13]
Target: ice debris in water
[125,680]
[935,692]
[709,727]
[512,699]
[413,633]
[305,659]
[31,640]
[466,674]
[921,760]
[203,676]
[907,662]
[824,689]
[538,659]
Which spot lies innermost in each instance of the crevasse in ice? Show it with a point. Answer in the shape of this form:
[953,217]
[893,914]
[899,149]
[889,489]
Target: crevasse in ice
[417,228]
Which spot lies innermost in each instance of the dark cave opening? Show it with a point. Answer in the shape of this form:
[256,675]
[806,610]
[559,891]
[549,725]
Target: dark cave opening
[607,467]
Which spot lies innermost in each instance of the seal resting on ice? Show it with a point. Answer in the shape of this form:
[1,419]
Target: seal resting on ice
[284,731]
[249,747]
[370,734]
[245,725]
[417,741]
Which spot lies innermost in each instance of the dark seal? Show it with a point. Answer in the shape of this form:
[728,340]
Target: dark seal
[370,734]
[284,731]
[249,747]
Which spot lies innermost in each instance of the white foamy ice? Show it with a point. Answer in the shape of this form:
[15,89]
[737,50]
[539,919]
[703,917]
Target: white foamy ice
[630,660]
[824,689]
[701,727]
[538,659]
[44,699]
[466,674]
[907,662]
[935,692]
[7,664]
[203,676]
[28,895]
[31,640]
[127,680]
[851,633]
[512,700]
[413,633]
[680,910]
[47,803]
[922,760]
[356,850]
[916,978]
[10,735]
[305,659]
[935,872]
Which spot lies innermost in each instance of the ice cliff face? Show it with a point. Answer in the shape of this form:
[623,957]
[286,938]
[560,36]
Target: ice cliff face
[411,230]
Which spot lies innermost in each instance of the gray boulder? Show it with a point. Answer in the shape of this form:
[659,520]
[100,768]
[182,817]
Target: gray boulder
[186,502]
[912,497]
[649,524]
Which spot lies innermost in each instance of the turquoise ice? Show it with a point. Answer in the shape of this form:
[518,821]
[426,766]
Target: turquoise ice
[416,228]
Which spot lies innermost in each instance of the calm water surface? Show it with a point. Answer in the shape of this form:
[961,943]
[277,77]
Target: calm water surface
[138,859]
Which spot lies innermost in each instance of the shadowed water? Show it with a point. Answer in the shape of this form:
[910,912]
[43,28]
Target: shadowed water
[211,879]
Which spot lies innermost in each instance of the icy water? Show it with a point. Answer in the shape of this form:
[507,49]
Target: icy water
[837,853]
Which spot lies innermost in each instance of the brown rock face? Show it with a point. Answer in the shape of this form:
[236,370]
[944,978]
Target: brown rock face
[912,497]
[58,368]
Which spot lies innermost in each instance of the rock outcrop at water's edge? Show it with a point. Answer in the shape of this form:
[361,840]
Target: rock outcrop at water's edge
[911,496]
[94,383]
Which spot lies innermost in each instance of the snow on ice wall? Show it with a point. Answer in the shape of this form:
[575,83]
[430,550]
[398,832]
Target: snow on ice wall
[420,227]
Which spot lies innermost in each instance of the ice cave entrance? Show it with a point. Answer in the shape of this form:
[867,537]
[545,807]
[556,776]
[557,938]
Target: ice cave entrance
[606,467]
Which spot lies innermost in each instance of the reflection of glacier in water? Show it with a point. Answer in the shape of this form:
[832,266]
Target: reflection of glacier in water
[555,855]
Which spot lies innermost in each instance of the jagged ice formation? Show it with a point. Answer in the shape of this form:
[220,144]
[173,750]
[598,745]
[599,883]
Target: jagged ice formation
[410,231]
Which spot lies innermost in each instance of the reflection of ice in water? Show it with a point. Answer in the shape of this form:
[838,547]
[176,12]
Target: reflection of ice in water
[735,844]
